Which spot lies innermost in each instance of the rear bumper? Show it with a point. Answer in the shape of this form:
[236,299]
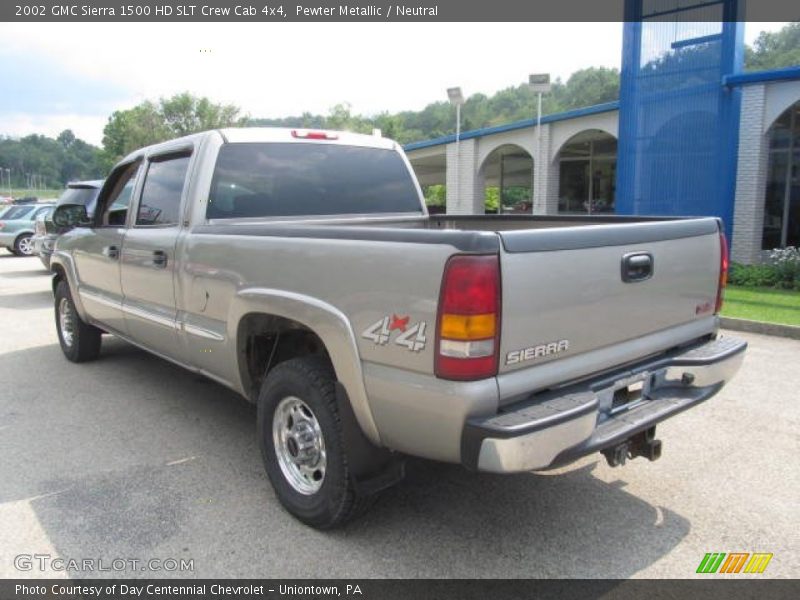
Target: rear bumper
[554,429]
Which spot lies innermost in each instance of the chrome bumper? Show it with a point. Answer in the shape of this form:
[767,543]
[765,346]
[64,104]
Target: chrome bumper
[558,427]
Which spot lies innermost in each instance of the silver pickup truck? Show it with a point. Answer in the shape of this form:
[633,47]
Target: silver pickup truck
[301,269]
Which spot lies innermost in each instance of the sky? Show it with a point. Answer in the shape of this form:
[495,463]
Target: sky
[73,76]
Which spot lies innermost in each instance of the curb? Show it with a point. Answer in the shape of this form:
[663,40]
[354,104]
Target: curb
[787,331]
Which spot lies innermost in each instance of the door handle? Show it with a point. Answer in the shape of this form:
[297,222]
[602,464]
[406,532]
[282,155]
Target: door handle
[160,258]
[637,266]
[111,252]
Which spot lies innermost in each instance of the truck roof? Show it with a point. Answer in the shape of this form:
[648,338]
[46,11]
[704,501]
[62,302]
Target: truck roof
[241,135]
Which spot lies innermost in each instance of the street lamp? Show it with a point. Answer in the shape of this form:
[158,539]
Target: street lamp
[539,83]
[457,99]
[8,174]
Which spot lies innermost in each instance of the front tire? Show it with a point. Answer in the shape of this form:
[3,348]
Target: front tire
[80,342]
[301,441]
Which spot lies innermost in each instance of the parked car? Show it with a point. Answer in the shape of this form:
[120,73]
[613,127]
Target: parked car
[17,227]
[301,269]
[78,193]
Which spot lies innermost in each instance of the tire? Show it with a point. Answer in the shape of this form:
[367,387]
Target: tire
[23,246]
[80,342]
[298,402]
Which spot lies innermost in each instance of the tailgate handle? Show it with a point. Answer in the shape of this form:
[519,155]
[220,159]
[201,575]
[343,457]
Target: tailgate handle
[637,266]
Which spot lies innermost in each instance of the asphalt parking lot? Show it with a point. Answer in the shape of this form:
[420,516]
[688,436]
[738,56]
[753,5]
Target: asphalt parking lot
[132,457]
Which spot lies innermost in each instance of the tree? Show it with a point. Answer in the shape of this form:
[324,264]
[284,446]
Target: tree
[184,114]
[150,123]
[587,87]
[130,129]
[48,162]
[66,138]
[775,50]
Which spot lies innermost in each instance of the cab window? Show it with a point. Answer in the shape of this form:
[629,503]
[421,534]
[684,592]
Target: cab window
[116,203]
[160,202]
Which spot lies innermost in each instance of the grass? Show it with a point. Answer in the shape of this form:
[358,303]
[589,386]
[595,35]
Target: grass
[24,193]
[762,304]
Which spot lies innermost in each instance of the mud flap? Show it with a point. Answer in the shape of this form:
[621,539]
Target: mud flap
[372,468]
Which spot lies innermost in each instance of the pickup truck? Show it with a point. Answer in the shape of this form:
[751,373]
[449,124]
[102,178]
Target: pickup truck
[301,269]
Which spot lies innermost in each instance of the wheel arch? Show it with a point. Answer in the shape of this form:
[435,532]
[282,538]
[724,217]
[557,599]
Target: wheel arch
[63,268]
[313,327]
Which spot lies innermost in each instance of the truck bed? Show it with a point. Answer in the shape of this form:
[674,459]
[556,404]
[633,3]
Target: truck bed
[561,280]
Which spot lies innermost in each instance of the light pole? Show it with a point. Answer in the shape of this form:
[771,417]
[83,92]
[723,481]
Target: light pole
[457,99]
[539,83]
[8,174]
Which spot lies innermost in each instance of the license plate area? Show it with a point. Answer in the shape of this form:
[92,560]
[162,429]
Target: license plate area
[624,394]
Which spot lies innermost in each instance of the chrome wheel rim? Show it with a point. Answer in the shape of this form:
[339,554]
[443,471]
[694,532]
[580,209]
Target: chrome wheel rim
[66,321]
[299,445]
[26,246]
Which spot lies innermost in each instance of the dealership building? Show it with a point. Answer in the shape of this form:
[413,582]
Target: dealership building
[743,166]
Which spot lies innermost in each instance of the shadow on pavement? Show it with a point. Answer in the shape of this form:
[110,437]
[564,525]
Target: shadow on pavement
[27,300]
[144,459]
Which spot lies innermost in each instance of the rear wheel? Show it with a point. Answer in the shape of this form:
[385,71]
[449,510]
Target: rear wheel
[80,342]
[24,245]
[300,435]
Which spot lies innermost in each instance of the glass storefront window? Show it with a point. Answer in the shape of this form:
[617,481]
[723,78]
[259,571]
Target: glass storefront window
[782,199]
[508,179]
[587,174]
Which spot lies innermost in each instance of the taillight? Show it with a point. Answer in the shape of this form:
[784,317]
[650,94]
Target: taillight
[723,271]
[313,135]
[2,224]
[468,320]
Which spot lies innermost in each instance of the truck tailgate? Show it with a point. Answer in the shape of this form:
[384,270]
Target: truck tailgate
[564,293]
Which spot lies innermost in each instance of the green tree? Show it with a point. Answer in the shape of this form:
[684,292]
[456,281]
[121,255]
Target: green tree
[66,138]
[50,162]
[773,50]
[150,122]
[185,114]
[435,195]
[587,87]
[130,129]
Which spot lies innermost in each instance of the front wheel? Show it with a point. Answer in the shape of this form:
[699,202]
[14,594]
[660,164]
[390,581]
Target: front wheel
[80,342]
[300,435]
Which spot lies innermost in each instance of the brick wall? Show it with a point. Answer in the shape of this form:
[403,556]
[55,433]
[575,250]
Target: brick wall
[751,177]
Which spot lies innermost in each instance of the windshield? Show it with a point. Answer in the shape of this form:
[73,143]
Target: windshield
[80,195]
[280,179]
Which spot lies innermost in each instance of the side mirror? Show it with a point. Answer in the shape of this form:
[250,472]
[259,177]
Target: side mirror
[68,216]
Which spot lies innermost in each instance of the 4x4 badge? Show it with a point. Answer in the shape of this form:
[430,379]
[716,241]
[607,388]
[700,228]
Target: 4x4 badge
[411,337]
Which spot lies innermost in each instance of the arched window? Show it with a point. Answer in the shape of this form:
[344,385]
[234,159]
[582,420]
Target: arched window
[588,173]
[782,202]
[508,178]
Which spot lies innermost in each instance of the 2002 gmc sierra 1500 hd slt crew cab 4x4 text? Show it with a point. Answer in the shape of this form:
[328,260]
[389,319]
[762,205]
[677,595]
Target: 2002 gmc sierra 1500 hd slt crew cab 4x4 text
[301,269]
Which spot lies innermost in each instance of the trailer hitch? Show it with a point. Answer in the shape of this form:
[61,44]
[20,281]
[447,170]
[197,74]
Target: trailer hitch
[642,444]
